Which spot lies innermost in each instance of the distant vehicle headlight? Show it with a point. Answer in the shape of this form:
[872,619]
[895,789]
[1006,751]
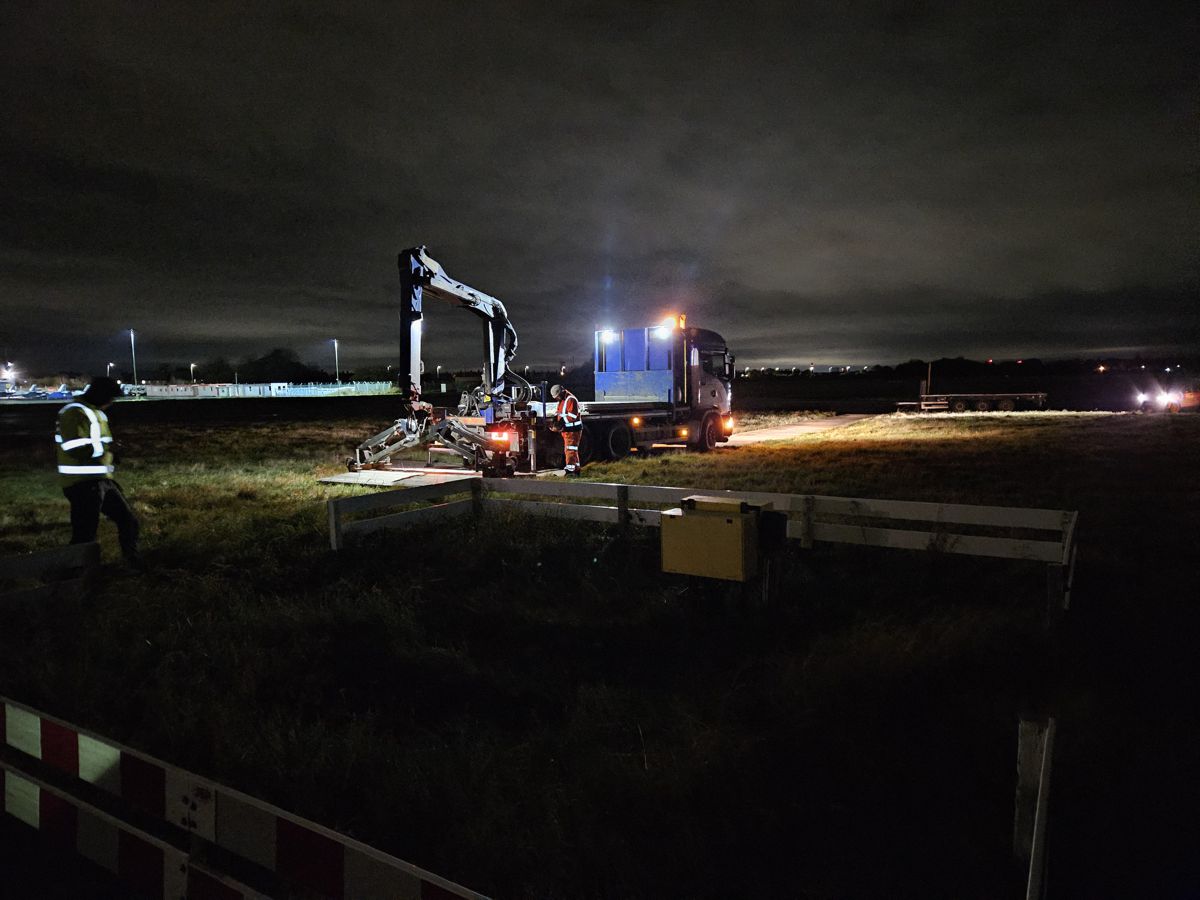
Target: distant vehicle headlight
[1142,398]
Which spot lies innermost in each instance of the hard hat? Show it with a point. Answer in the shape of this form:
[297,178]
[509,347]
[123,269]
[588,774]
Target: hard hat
[556,390]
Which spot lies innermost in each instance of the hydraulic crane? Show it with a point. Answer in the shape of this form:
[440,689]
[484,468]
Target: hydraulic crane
[422,276]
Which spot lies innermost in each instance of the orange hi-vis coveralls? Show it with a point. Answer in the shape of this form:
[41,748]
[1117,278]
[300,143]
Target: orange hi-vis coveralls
[572,428]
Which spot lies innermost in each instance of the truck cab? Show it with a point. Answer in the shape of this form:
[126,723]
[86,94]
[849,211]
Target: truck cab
[660,384]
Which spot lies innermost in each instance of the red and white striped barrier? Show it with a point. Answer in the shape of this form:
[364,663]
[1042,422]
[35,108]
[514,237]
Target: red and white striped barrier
[152,867]
[296,851]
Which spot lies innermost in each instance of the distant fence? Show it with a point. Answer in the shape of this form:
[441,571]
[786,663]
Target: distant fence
[168,833]
[1039,535]
[269,389]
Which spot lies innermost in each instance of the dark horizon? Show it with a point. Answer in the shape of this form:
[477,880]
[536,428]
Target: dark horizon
[852,185]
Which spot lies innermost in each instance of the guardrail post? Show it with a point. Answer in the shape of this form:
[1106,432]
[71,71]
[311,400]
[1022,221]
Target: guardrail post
[1035,753]
[807,508]
[1030,741]
[623,506]
[335,525]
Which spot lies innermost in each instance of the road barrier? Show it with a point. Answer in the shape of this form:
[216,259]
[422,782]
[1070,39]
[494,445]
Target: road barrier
[1039,535]
[170,834]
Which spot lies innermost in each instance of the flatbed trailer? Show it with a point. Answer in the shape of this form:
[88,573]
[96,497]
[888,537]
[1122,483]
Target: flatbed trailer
[973,402]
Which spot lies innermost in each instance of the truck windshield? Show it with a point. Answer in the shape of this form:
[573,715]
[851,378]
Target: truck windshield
[713,362]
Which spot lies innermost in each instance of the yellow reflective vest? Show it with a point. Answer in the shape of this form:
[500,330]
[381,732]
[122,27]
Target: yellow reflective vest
[83,441]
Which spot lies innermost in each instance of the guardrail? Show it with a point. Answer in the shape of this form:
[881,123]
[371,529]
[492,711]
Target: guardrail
[168,833]
[1039,535]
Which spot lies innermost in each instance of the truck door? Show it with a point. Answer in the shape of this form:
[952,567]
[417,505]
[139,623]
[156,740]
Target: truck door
[709,374]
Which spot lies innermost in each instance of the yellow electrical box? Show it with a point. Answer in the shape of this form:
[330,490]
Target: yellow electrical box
[713,537]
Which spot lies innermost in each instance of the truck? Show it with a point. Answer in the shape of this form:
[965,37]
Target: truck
[663,384]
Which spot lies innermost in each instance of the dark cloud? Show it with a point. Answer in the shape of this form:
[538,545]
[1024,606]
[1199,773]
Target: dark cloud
[852,182]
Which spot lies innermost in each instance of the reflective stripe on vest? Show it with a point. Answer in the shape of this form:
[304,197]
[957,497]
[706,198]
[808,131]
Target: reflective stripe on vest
[96,440]
[86,470]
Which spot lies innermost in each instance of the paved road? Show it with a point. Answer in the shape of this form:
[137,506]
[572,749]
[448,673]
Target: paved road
[785,432]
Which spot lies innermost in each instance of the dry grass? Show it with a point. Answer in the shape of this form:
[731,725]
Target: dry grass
[542,705]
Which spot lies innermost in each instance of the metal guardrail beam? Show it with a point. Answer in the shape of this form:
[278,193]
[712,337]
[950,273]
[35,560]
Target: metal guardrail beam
[906,524]
[814,517]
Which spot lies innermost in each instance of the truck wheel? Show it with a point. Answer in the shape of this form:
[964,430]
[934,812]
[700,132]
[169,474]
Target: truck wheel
[708,434]
[958,405]
[1006,406]
[982,406]
[620,439]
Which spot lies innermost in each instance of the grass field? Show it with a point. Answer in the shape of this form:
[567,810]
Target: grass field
[534,710]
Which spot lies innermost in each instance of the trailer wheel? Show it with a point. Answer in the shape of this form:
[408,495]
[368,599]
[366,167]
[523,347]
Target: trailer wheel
[620,439]
[958,404]
[709,433]
[982,406]
[1006,405]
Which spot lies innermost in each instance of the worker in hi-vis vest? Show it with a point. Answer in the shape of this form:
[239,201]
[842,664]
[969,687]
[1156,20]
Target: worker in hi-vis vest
[568,420]
[85,469]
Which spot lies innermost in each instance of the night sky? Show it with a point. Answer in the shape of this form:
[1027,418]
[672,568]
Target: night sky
[853,183]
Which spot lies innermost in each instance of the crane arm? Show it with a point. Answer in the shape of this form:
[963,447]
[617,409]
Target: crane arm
[421,274]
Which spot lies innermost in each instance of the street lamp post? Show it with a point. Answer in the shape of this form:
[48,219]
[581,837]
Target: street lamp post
[133,354]
[192,366]
[108,371]
[337,370]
